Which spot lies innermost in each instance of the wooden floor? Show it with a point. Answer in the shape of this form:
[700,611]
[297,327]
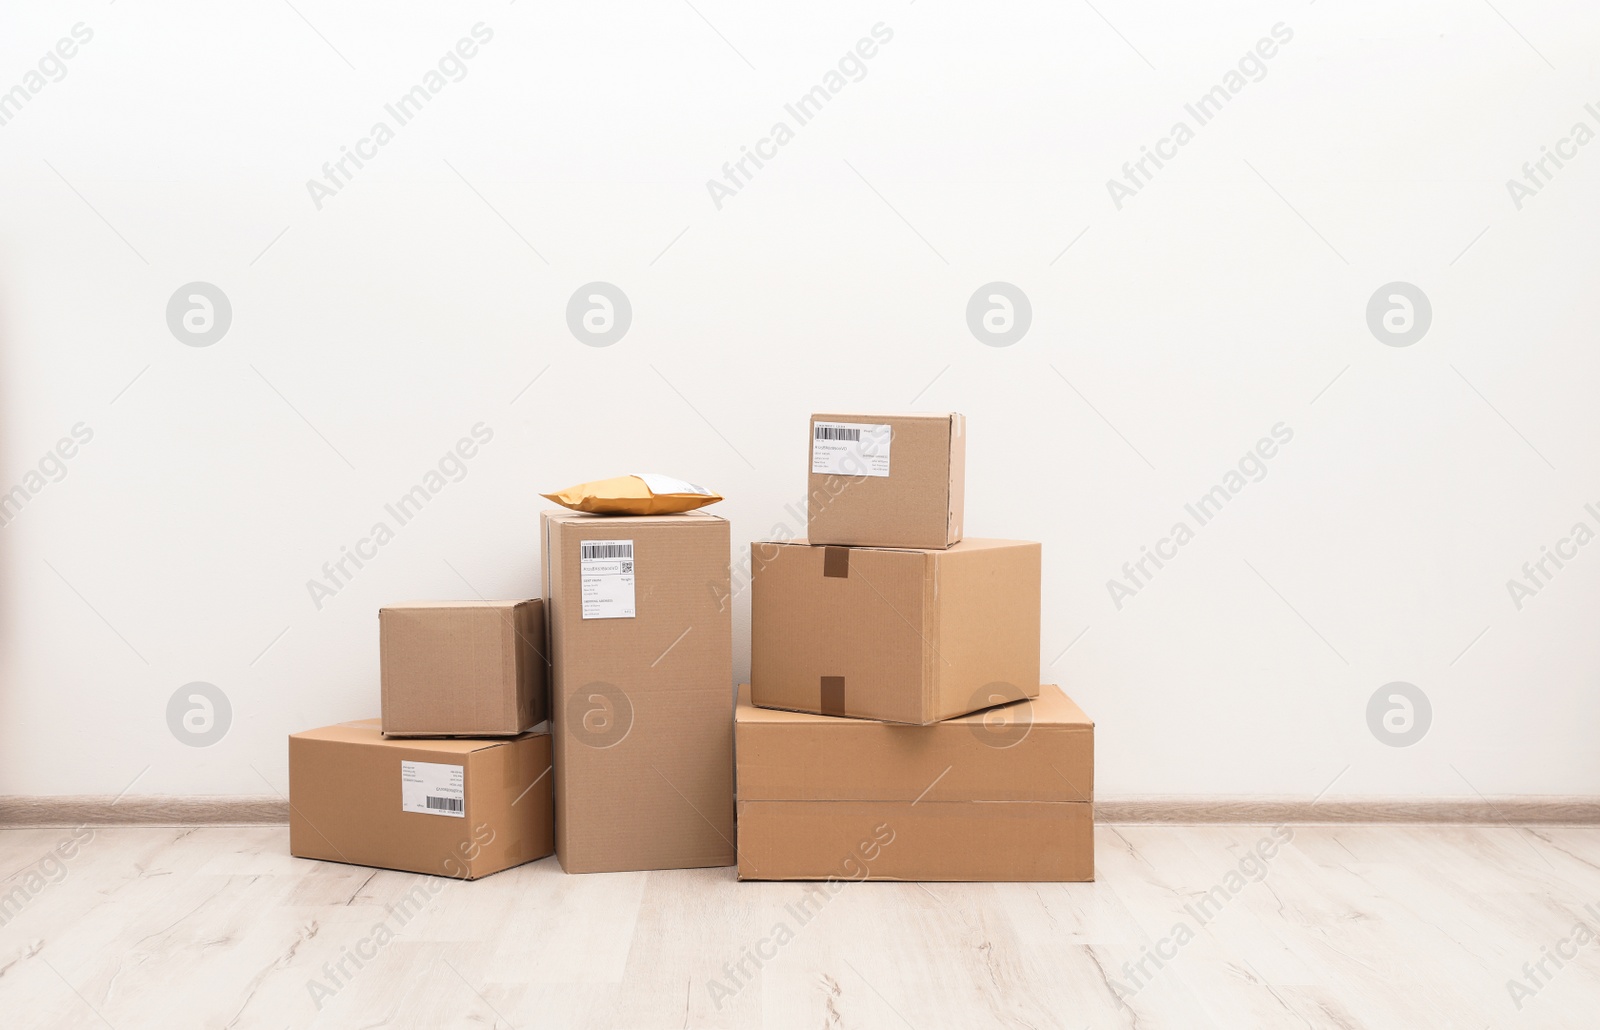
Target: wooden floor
[1341,926]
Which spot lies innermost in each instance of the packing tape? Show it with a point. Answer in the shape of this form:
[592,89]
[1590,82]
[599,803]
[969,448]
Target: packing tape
[836,562]
[832,695]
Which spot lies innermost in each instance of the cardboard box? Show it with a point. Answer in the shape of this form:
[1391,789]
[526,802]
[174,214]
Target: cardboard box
[458,808]
[899,635]
[887,480]
[462,668]
[1006,794]
[641,690]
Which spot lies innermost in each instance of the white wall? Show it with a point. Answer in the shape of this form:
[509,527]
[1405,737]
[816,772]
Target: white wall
[1220,300]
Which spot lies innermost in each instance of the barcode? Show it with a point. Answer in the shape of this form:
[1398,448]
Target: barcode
[838,433]
[444,804]
[607,551]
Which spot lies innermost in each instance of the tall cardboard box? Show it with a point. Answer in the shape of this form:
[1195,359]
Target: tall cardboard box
[1006,794]
[641,690]
[887,480]
[911,636]
[462,668]
[459,808]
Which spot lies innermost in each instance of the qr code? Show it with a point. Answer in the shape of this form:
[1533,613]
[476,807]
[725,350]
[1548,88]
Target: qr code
[627,568]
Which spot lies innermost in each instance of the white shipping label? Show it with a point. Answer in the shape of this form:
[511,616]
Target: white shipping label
[606,567]
[433,789]
[668,485]
[850,449]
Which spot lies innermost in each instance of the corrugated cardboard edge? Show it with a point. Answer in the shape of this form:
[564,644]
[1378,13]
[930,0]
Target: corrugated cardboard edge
[956,495]
[573,868]
[383,686]
[273,810]
[509,634]
[487,736]
[552,702]
[931,656]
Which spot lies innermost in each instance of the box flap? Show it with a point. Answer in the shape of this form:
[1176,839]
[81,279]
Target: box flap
[565,515]
[902,840]
[1039,749]
[1051,708]
[831,416]
[368,731]
[968,544]
[957,494]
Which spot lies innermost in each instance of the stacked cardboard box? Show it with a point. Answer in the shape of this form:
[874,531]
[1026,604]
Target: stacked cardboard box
[641,687]
[999,795]
[635,769]
[895,726]
[454,780]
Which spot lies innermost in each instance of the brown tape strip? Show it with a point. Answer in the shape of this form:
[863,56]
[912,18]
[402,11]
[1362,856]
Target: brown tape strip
[833,695]
[836,562]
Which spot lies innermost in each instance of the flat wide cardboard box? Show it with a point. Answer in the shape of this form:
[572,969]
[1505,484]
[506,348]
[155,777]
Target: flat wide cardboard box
[462,668]
[911,636]
[641,690]
[457,808]
[1006,794]
[887,480]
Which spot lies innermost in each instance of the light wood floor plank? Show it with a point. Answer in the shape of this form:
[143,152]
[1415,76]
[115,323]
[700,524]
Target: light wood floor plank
[1344,926]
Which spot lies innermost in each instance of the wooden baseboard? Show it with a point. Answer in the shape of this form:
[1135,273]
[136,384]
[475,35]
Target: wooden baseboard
[271,809]
[146,810]
[1519,810]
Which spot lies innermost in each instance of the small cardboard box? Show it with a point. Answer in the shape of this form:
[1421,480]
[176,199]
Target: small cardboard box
[641,645]
[462,668]
[1006,794]
[458,808]
[910,636]
[887,480]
